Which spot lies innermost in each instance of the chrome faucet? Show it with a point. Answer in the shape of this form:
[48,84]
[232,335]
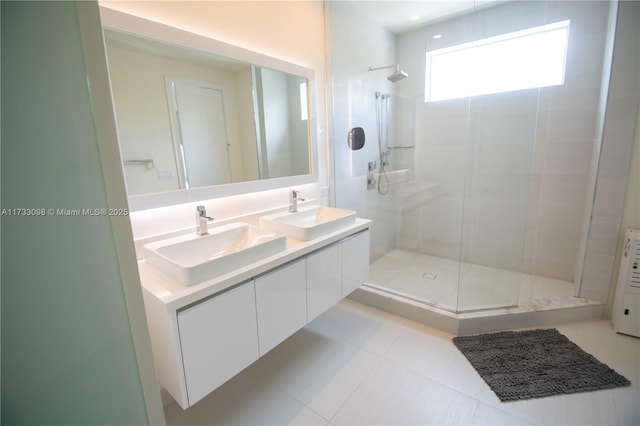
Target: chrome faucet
[201,221]
[294,197]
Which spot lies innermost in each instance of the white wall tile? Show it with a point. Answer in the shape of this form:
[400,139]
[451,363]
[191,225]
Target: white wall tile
[597,275]
[559,250]
[603,238]
[563,195]
[585,53]
[571,125]
[571,158]
[619,128]
[574,93]
[609,201]
[611,185]
[628,41]
[504,158]
[624,76]
[561,226]
[547,135]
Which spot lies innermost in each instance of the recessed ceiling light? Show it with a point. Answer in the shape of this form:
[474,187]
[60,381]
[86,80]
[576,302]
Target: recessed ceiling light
[437,36]
[414,18]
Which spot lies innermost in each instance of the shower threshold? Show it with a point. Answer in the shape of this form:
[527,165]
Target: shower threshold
[484,303]
[536,313]
[477,308]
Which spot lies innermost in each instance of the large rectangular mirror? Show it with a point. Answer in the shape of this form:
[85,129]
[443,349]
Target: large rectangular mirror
[200,119]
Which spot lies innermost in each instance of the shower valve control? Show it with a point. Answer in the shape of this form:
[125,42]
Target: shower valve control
[371,177]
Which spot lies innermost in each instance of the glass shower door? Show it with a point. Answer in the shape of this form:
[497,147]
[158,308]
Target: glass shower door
[450,230]
[502,133]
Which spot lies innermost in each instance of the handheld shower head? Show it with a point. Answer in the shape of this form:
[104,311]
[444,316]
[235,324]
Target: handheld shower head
[396,76]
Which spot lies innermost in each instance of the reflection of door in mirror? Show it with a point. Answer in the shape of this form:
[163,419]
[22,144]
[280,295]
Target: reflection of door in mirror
[200,132]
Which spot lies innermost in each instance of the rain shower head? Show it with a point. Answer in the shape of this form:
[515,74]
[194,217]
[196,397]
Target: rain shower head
[396,76]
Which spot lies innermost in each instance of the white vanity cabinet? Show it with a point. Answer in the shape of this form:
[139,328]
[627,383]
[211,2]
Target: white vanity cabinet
[281,301]
[218,338]
[324,280]
[355,262]
[202,338]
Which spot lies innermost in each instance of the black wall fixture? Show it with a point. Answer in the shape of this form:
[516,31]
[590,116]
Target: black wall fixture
[356,138]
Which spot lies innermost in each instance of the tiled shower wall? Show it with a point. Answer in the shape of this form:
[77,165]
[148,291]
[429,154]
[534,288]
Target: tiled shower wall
[514,167]
[354,45]
[512,175]
[595,273]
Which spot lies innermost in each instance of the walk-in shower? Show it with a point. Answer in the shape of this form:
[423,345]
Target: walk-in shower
[482,195]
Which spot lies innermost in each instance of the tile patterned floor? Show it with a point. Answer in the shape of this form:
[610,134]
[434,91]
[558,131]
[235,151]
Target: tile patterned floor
[356,365]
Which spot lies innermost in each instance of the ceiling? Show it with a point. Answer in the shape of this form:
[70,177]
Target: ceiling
[396,15]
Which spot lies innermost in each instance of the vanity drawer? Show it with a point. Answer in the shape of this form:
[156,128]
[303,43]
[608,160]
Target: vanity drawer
[218,338]
[324,280]
[355,262]
[281,299]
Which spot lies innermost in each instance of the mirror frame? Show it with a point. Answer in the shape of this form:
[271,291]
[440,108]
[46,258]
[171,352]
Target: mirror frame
[141,27]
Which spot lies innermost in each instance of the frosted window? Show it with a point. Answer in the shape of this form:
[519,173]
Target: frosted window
[534,57]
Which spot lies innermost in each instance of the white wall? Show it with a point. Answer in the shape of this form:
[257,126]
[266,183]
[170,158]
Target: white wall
[355,45]
[616,180]
[290,31]
[631,212]
[75,344]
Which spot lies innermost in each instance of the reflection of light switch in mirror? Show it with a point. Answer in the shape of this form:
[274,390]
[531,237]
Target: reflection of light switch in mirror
[356,138]
[165,174]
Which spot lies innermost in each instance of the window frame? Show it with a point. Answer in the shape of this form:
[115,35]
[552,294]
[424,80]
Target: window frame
[467,84]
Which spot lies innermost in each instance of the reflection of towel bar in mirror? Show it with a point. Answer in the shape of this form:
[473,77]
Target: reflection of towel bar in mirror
[148,163]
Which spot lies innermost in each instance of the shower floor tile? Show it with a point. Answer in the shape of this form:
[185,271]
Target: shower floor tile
[449,284]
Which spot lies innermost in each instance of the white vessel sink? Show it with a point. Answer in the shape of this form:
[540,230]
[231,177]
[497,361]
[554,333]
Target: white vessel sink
[309,222]
[190,259]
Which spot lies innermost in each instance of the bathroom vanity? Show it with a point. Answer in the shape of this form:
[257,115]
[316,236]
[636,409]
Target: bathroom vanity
[211,316]
[205,333]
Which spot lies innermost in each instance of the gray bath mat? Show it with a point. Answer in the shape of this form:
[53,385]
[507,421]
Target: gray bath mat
[533,364]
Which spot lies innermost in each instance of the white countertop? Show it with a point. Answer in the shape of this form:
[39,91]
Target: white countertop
[173,295]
